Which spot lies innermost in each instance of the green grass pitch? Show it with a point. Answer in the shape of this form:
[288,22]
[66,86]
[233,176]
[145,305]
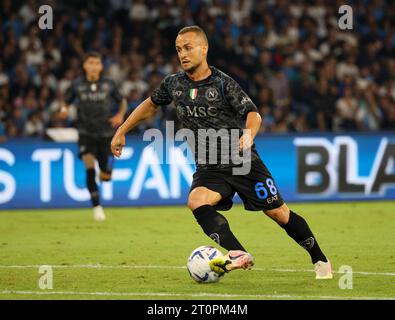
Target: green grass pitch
[140,253]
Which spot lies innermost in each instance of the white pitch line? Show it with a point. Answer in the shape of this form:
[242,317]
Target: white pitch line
[99,266]
[192,295]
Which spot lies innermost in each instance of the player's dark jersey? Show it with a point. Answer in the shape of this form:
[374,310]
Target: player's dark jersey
[95,102]
[218,103]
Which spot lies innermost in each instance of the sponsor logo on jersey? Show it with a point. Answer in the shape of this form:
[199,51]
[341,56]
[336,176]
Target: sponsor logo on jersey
[177,93]
[93,96]
[200,111]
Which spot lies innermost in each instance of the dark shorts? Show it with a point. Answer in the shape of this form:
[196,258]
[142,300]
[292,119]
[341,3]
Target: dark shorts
[100,148]
[257,189]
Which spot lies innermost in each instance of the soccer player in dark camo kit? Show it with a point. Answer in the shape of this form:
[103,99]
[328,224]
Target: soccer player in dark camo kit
[95,98]
[206,98]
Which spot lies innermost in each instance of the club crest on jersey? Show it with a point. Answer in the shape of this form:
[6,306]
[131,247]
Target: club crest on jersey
[193,93]
[93,87]
[211,94]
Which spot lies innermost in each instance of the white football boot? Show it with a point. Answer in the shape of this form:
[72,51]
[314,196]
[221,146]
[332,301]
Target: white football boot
[240,260]
[323,270]
[98,213]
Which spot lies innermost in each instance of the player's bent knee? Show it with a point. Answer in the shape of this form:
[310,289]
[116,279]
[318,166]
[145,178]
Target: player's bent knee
[200,197]
[280,214]
[105,176]
[88,160]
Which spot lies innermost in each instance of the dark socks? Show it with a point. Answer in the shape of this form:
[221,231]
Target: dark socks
[216,227]
[92,187]
[298,229]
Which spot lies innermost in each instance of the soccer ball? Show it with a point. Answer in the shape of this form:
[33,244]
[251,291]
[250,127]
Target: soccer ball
[198,264]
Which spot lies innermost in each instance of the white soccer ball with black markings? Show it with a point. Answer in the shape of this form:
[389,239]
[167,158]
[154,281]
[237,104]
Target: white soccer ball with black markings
[198,264]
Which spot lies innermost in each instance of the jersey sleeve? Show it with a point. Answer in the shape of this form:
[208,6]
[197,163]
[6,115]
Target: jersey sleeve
[115,93]
[70,94]
[237,98]
[161,95]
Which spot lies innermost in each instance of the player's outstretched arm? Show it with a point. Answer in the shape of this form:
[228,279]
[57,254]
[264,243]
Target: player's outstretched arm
[145,110]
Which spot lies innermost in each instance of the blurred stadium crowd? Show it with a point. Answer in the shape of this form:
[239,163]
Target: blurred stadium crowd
[302,71]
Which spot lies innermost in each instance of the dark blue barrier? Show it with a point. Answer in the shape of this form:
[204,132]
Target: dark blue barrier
[39,174]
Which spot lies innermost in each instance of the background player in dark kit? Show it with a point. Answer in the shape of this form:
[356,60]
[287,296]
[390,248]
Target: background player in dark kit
[206,98]
[95,97]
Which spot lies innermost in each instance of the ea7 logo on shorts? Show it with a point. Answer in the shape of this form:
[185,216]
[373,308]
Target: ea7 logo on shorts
[211,94]
[272,199]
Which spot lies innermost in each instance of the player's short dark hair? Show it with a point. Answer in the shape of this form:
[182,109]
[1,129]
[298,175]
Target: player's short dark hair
[195,29]
[92,54]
